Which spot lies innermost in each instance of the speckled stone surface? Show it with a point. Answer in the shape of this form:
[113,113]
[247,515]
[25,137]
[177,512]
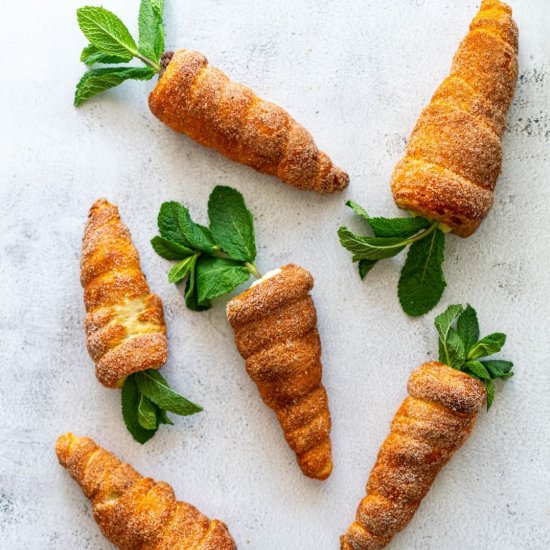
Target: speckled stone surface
[357,75]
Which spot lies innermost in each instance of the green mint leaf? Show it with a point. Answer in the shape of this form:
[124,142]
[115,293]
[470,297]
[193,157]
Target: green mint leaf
[130,401]
[218,276]
[492,343]
[151,32]
[455,349]
[499,368]
[468,327]
[106,32]
[478,370]
[90,55]
[181,269]
[162,417]
[231,223]
[191,292]
[365,266]
[96,81]
[398,227]
[359,210]
[422,282]
[175,224]
[443,323]
[154,387]
[147,416]
[369,248]
[490,392]
[170,250]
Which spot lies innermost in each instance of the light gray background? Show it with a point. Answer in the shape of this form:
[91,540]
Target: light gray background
[357,75]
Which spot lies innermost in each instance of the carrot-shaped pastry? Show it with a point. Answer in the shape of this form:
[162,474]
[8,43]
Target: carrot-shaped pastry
[275,320]
[275,325]
[136,512]
[451,163]
[431,424]
[125,329]
[200,101]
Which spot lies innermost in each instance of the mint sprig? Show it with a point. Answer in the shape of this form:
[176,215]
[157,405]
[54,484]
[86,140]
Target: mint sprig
[111,43]
[461,348]
[422,282]
[213,260]
[146,398]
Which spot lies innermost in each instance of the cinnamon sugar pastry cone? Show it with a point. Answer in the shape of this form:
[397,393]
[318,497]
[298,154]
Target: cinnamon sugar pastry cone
[431,424]
[135,512]
[199,100]
[124,323]
[454,154]
[275,327]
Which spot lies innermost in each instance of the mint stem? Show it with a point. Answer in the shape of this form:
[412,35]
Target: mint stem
[252,268]
[420,236]
[155,66]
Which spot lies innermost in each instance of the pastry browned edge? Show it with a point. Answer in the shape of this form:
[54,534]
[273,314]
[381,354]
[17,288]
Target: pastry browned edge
[454,155]
[136,512]
[275,325]
[429,427]
[200,101]
[125,329]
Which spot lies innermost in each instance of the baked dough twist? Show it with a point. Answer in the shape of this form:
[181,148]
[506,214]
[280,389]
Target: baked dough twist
[275,325]
[136,512]
[428,428]
[125,327]
[454,154]
[199,100]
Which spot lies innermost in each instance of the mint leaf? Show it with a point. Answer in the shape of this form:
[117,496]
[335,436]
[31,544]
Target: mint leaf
[468,327]
[422,282]
[151,32]
[162,417]
[492,343]
[96,81]
[499,368]
[90,55]
[152,384]
[130,401]
[455,349]
[359,210]
[489,392]
[147,416]
[106,32]
[218,276]
[369,248]
[191,295]
[181,269]
[478,370]
[365,266]
[232,224]
[170,250]
[175,224]
[443,323]
[398,227]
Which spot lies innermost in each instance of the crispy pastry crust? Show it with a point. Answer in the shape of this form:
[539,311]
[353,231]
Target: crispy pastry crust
[199,100]
[125,327]
[454,154]
[134,512]
[428,428]
[275,325]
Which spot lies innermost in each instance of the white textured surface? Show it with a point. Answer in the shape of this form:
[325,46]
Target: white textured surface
[357,75]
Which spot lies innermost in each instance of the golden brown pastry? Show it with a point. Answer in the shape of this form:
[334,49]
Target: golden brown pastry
[199,100]
[454,154]
[136,512]
[428,428]
[275,325]
[125,327]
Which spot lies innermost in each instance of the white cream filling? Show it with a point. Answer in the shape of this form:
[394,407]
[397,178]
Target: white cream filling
[268,275]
